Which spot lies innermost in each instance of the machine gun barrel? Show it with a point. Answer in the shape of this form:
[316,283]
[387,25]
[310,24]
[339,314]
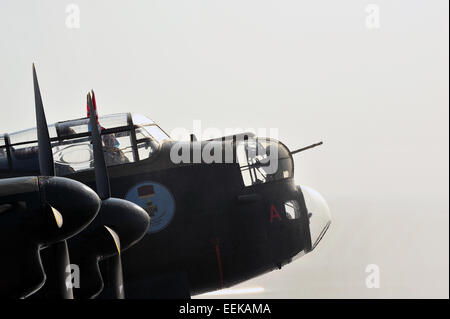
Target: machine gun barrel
[306,148]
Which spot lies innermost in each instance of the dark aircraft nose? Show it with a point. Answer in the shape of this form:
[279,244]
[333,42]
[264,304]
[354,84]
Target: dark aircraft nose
[73,206]
[318,214]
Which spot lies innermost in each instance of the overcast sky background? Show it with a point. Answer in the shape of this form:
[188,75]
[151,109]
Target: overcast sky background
[378,98]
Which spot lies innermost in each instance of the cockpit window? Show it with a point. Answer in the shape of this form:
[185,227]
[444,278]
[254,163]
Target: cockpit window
[157,133]
[123,140]
[29,135]
[81,126]
[150,127]
[118,148]
[263,160]
[149,136]
[146,145]
[113,120]
[139,119]
[73,127]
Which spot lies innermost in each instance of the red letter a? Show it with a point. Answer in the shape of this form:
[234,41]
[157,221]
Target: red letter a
[274,213]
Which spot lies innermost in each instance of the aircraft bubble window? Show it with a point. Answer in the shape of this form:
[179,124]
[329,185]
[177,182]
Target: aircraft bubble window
[263,160]
[73,155]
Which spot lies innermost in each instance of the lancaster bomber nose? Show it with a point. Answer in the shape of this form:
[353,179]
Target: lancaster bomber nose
[318,214]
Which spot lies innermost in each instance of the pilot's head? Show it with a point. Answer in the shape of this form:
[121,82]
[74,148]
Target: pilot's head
[109,140]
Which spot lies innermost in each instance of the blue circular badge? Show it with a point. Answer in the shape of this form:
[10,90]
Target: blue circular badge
[157,201]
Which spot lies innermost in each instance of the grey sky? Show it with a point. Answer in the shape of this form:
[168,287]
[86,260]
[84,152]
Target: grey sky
[377,98]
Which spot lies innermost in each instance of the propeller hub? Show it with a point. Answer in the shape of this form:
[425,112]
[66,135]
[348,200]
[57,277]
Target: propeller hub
[127,219]
[71,207]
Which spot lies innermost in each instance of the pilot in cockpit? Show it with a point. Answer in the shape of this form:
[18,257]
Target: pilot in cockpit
[113,154]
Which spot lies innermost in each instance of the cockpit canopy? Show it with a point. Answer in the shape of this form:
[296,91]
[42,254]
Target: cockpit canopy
[126,138]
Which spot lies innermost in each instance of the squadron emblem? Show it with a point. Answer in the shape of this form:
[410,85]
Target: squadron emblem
[157,201]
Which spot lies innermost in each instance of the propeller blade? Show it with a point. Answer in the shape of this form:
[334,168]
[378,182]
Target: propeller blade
[116,275]
[62,262]
[46,165]
[37,215]
[120,224]
[58,217]
[101,173]
[116,278]
[94,103]
[115,238]
[102,181]
[47,168]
